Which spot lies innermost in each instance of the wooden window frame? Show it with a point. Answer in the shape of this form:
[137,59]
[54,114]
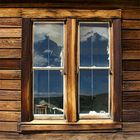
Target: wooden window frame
[28,123]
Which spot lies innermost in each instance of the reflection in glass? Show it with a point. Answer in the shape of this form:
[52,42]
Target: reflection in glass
[48,44]
[94,44]
[93,90]
[48,92]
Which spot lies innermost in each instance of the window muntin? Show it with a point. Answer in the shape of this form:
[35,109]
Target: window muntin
[48,78]
[94,69]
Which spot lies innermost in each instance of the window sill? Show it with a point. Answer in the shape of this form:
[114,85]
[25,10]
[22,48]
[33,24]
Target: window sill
[61,125]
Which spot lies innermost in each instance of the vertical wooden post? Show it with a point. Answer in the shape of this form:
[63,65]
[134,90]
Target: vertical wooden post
[71,70]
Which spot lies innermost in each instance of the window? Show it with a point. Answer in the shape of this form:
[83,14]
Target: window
[71,74]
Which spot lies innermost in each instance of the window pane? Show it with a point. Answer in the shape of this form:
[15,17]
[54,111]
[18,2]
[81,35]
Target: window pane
[48,44]
[94,44]
[48,92]
[93,91]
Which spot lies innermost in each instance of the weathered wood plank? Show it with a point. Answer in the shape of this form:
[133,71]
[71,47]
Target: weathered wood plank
[131,14]
[131,86]
[10,43]
[62,13]
[10,12]
[131,106]
[131,75]
[131,116]
[131,34]
[131,127]
[10,22]
[10,105]
[131,54]
[131,24]
[10,84]
[10,53]
[10,74]
[10,32]
[131,65]
[9,116]
[10,95]
[8,126]
[10,64]
[131,96]
[131,44]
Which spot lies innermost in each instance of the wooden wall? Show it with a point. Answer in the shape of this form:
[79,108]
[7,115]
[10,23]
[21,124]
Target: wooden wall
[10,81]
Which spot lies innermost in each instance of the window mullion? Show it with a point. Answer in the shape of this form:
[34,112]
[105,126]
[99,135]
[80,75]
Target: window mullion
[71,71]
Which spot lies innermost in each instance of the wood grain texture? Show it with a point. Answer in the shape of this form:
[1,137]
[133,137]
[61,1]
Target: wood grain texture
[10,32]
[131,86]
[131,96]
[130,24]
[131,54]
[131,14]
[10,105]
[10,74]
[131,44]
[10,64]
[9,95]
[11,116]
[8,126]
[131,116]
[62,13]
[10,43]
[131,106]
[131,75]
[10,84]
[10,53]
[129,65]
[10,22]
[131,127]
[131,34]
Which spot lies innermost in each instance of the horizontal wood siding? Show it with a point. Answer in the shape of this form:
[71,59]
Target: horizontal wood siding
[10,72]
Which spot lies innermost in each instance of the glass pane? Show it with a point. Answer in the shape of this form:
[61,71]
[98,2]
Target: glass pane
[93,91]
[48,92]
[94,44]
[48,44]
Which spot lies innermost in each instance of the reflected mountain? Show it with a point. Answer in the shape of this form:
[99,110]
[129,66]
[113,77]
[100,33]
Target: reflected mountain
[48,52]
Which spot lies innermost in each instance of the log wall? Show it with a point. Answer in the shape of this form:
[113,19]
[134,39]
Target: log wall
[10,79]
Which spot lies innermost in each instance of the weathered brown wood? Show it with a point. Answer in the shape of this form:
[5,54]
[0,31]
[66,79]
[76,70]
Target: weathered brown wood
[116,70]
[131,86]
[62,13]
[10,53]
[10,22]
[71,71]
[130,24]
[27,113]
[10,64]
[10,105]
[131,44]
[131,106]
[10,43]
[10,95]
[131,96]
[131,65]
[8,126]
[9,116]
[10,84]
[10,32]
[10,12]
[131,14]
[133,127]
[131,75]
[131,54]
[131,116]
[131,34]
[10,74]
